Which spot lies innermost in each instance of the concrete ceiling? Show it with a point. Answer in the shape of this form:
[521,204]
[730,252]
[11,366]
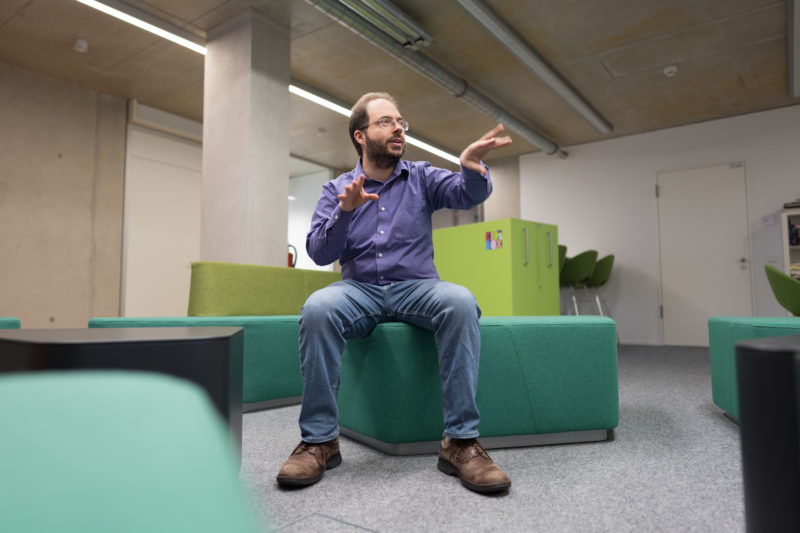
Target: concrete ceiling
[731,57]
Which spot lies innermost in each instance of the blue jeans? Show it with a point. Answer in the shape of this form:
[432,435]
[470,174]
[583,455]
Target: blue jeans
[350,309]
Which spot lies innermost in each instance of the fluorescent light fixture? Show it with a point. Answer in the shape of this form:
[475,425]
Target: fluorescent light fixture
[108,10]
[432,149]
[294,89]
[302,93]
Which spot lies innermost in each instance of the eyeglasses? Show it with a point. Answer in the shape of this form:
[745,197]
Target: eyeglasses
[386,122]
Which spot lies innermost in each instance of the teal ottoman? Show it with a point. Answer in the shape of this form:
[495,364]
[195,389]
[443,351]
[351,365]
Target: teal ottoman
[100,451]
[543,380]
[7,322]
[723,334]
[271,360]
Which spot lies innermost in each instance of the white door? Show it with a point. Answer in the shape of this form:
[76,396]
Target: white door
[162,222]
[705,263]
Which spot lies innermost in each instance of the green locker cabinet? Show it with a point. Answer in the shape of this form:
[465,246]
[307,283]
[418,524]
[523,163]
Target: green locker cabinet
[510,265]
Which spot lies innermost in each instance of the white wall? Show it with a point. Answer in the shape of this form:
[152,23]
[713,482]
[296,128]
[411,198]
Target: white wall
[305,191]
[602,197]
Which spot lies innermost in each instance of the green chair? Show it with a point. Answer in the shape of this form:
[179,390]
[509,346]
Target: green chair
[599,277]
[562,258]
[116,451]
[576,273]
[785,288]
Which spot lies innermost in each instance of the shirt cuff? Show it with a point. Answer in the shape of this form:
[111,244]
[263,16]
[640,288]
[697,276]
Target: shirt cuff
[339,220]
[474,179]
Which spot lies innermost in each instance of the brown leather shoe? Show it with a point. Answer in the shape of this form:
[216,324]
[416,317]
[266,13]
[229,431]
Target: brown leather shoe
[308,462]
[467,459]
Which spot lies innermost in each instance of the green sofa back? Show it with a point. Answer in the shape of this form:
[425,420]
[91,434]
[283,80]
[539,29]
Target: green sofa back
[235,289]
[8,322]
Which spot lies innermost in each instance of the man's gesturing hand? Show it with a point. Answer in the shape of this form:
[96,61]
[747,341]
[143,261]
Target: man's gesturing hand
[354,195]
[472,154]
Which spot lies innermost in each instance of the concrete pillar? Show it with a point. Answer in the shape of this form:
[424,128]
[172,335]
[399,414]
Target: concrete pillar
[246,142]
[504,201]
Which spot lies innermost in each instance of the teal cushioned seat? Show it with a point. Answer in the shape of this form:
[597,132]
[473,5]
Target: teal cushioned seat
[7,322]
[271,359]
[542,380]
[723,334]
[115,451]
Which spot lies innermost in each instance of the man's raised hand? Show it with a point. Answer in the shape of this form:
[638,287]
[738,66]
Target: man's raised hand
[472,154]
[354,195]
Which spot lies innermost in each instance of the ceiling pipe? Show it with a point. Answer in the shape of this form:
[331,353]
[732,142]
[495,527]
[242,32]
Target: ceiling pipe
[433,71]
[512,42]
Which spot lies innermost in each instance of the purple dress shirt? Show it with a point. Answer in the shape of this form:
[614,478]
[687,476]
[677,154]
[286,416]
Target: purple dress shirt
[390,239]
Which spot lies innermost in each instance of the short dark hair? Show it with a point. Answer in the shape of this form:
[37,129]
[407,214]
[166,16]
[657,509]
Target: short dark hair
[359,115]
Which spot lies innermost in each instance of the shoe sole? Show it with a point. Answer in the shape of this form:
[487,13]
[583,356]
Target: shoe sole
[445,466]
[334,461]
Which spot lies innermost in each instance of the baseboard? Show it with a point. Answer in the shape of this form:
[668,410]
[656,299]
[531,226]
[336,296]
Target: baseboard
[509,441]
[249,407]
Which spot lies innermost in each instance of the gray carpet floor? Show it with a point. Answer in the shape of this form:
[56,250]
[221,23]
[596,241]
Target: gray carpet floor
[674,465]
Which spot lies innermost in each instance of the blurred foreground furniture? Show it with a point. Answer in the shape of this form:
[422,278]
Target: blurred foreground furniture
[723,334]
[543,380]
[7,322]
[265,302]
[785,288]
[769,403]
[209,357]
[115,451]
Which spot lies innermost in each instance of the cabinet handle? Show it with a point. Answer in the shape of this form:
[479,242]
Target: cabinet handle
[550,234]
[527,248]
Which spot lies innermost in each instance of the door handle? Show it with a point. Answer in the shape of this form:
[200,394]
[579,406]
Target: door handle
[550,234]
[527,247]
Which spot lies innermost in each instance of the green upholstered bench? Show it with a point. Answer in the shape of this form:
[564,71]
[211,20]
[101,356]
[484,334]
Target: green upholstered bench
[542,380]
[723,334]
[263,300]
[98,452]
[7,322]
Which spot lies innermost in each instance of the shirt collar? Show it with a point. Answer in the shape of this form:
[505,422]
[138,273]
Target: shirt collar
[402,166]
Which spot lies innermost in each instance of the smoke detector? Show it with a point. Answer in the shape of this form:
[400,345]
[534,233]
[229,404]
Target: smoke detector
[81,46]
[670,70]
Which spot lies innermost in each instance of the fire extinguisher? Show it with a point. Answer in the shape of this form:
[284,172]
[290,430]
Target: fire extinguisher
[292,256]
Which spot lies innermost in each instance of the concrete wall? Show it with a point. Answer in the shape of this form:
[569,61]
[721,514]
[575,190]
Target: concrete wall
[602,197]
[504,201]
[61,186]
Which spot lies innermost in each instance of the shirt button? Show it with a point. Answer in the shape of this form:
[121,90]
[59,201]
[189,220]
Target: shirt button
[381,232]
[336,217]
[380,255]
[381,277]
[383,208]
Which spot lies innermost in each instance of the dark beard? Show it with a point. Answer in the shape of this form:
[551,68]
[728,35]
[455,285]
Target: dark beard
[380,155]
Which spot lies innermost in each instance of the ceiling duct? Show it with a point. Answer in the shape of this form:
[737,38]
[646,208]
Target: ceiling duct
[512,42]
[432,70]
[394,22]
